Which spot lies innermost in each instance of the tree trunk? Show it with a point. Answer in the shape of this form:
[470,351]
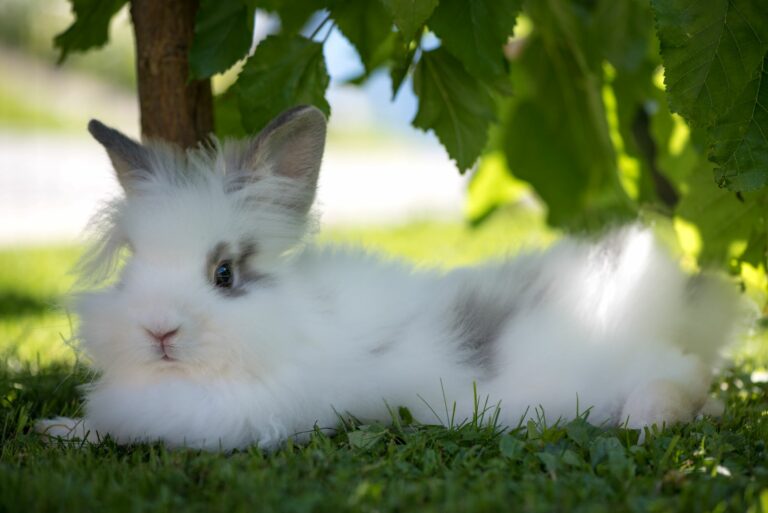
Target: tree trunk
[173,107]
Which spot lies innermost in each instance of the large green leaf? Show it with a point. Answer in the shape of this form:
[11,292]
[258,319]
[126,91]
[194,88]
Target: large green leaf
[475,32]
[556,135]
[223,35]
[539,152]
[623,32]
[283,72]
[715,60]
[711,51]
[409,15]
[454,104]
[740,138]
[721,216]
[366,24]
[580,126]
[90,28]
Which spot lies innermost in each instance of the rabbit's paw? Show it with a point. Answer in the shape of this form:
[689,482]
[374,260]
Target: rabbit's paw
[658,403]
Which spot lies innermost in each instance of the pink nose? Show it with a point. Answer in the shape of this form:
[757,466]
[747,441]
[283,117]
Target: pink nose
[162,337]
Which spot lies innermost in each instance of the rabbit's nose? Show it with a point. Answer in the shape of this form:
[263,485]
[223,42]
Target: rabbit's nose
[162,337]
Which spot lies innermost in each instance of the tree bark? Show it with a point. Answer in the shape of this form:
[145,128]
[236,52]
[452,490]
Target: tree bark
[172,107]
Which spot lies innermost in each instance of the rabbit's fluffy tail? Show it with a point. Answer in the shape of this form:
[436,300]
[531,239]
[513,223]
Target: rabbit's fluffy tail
[648,296]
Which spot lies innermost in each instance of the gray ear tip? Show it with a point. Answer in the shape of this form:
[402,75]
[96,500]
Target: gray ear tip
[97,129]
[301,117]
[308,111]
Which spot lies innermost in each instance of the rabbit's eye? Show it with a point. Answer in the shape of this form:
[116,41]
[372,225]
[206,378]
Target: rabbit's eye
[223,275]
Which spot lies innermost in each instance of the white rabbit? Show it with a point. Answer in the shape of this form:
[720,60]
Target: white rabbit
[228,328]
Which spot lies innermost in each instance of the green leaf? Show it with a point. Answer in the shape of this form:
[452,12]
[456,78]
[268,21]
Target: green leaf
[90,28]
[624,33]
[721,217]
[366,437]
[366,24]
[645,126]
[556,136]
[283,72]
[511,447]
[382,56]
[740,138]
[294,14]
[454,104]
[223,35]
[550,461]
[756,252]
[227,120]
[620,466]
[578,431]
[402,59]
[573,459]
[711,51]
[476,31]
[715,56]
[602,448]
[562,130]
[409,15]
[542,153]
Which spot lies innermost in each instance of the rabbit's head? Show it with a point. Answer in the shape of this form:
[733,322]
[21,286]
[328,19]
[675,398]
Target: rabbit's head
[205,233]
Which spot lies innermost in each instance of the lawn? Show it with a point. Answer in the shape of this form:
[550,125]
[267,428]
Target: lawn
[544,465]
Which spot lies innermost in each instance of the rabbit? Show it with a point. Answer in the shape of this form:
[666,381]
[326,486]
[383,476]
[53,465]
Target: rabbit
[228,327]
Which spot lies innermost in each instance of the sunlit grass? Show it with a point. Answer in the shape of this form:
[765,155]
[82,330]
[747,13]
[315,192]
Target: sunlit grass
[33,320]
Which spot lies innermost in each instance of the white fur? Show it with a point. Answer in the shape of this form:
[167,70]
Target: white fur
[609,325]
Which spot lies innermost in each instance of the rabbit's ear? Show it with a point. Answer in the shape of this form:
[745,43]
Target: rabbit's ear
[128,157]
[290,146]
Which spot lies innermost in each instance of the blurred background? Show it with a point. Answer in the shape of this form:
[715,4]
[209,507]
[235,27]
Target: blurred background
[50,165]
[384,184]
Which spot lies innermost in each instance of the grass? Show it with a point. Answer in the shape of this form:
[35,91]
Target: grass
[20,112]
[707,465]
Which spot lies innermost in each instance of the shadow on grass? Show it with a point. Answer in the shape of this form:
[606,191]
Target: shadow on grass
[17,304]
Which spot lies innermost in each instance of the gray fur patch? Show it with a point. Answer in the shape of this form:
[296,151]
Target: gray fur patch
[478,323]
[533,290]
[395,335]
[247,274]
[219,252]
[611,249]
[241,263]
